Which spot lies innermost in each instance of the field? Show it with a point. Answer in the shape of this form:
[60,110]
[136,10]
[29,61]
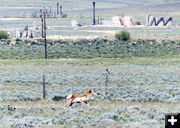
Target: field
[158,79]
[99,115]
[84,48]
[144,79]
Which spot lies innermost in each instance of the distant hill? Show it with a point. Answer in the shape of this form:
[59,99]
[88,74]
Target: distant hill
[81,3]
[104,8]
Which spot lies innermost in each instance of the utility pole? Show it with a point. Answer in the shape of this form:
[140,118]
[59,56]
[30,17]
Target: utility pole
[45,41]
[94,17]
[42,23]
[42,33]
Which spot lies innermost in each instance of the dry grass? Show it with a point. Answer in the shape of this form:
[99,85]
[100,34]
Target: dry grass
[95,114]
[93,103]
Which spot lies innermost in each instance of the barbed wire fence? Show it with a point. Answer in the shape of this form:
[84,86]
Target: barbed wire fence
[30,86]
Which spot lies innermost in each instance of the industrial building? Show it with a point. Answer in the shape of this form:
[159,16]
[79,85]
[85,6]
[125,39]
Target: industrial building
[158,20]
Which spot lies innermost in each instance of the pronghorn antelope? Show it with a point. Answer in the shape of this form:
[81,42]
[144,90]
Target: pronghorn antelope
[81,98]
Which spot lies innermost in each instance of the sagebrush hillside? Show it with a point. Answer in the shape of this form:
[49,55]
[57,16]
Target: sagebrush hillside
[84,48]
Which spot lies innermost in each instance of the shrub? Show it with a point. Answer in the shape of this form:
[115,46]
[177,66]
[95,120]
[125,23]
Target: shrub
[58,98]
[123,35]
[3,35]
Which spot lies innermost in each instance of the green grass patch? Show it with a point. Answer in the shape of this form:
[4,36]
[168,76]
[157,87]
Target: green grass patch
[120,85]
[95,61]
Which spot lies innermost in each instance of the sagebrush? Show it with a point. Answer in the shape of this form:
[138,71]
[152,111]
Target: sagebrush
[123,36]
[96,48]
[3,35]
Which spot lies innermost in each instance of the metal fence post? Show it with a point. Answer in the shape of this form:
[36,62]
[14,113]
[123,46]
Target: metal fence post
[44,87]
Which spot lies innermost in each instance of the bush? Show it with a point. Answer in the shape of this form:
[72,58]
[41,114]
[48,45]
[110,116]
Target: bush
[123,35]
[58,98]
[3,35]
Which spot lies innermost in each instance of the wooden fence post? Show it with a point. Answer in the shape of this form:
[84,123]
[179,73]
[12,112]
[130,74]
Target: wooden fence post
[44,87]
[107,79]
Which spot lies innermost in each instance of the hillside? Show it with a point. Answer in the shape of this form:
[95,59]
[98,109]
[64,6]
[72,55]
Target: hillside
[105,8]
[96,48]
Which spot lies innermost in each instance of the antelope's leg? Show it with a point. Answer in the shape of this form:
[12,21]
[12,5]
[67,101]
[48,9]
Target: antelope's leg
[82,104]
[86,102]
[71,104]
[67,103]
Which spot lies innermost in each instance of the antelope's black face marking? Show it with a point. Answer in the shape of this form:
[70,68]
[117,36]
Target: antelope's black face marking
[94,92]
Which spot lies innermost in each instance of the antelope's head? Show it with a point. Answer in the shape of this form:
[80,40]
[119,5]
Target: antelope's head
[93,92]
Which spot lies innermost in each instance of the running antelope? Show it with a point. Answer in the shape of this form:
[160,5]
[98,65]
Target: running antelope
[81,98]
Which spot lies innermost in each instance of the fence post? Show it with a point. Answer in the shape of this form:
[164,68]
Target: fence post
[107,79]
[44,87]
